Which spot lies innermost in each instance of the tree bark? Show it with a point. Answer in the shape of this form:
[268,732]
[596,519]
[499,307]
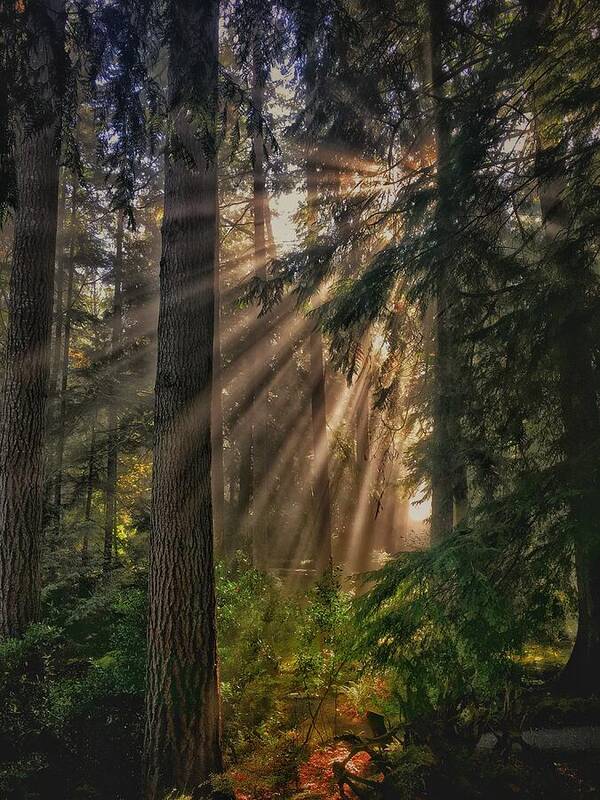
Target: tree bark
[581,675]
[218,476]
[363,414]
[112,422]
[448,473]
[259,409]
[322,500]
[578,401]
[60,282]
[89,494]
[64,380]
[365,531]
[246,481]
[321,471]
[49,518]
[183,732]
[23,407]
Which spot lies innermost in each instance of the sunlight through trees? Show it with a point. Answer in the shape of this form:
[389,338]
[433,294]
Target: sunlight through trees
[299,421]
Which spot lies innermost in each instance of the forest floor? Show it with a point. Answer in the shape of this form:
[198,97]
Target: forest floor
[561,762]
[533,776]
[560,759]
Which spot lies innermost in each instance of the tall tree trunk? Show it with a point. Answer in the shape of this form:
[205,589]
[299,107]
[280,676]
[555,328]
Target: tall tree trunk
[362,420]
[579,403]
[259,410]
[323,548]
[89,493]
[581,421]
[24,398]
[364,525]
[92,469]
[448,473]
[56,350]
[321,471]
[246,482]
[60,282]
[64,380]
[218,476]
[183,729]
[112,422]
[271,245]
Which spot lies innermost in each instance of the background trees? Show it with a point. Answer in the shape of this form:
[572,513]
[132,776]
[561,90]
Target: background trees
[392,213]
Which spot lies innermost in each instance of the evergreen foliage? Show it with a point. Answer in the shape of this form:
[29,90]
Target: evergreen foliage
[395,216]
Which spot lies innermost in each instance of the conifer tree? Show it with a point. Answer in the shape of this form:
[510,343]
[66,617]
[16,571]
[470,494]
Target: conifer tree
[183,731]
[35,36]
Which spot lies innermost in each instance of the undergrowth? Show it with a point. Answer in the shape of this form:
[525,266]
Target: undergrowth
[402,683]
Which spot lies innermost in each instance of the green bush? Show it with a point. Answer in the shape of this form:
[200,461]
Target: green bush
[71,697]
[450,626]
[71,691]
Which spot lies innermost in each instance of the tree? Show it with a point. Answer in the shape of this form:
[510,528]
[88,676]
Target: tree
[448,480]
[574,355]
[63,342]
[59,289]
[183,739]
[37,130]
[322,500]
[112,433]
[218,476]
[321,467]
[259,407]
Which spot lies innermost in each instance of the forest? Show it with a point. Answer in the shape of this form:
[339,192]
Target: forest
[300,405]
